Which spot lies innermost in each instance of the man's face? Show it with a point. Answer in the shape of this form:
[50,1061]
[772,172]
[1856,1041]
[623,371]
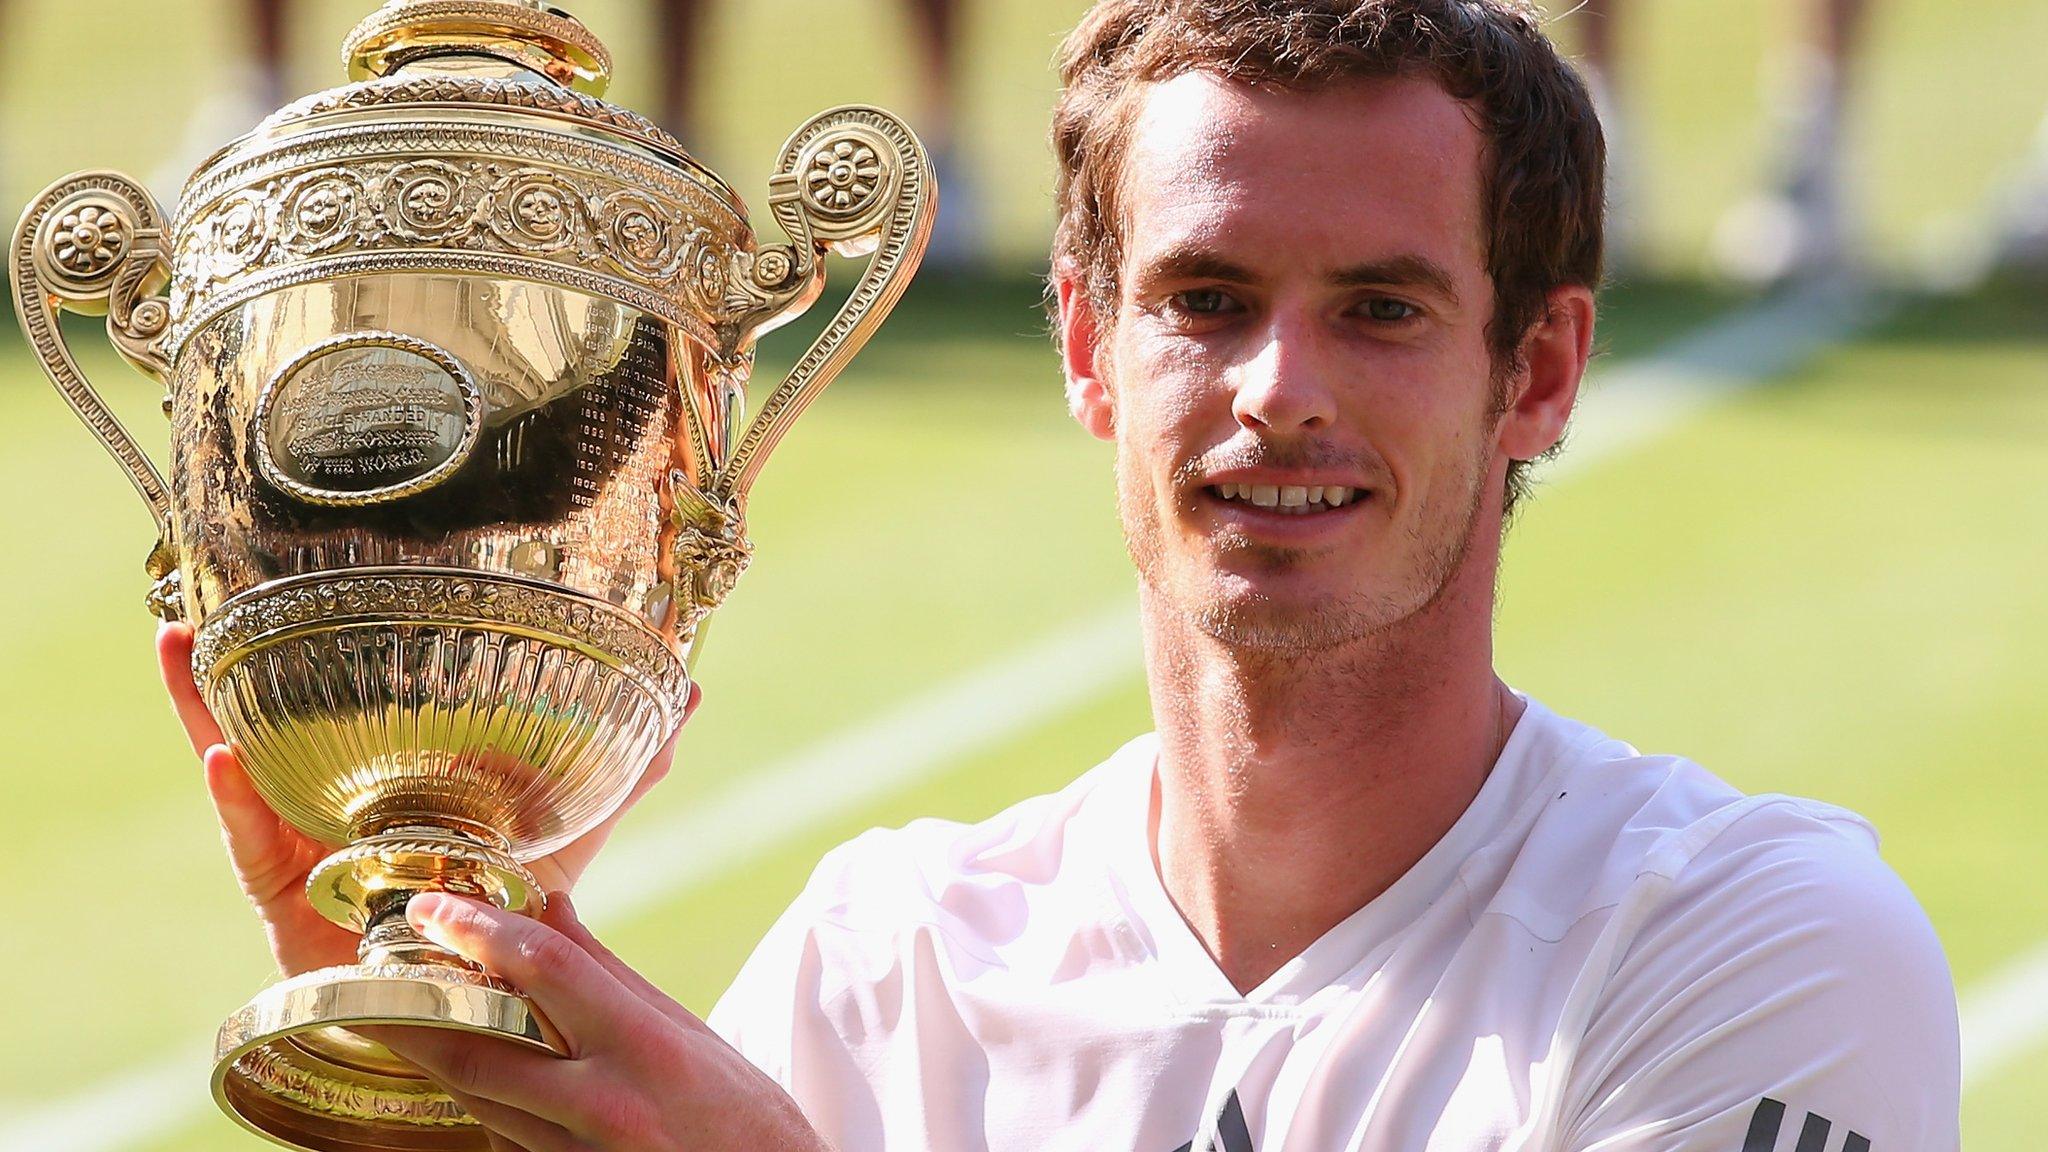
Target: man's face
[1298,377]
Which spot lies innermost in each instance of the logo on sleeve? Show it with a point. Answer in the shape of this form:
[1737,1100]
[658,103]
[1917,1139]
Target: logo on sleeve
[1769,1119]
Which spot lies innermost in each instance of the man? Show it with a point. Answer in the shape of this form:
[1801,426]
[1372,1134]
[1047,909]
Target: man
[1324,275]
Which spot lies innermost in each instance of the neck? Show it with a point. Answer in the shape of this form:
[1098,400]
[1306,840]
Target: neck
[1296,787]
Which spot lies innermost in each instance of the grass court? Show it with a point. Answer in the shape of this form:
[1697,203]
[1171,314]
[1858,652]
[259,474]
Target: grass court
[1830,584]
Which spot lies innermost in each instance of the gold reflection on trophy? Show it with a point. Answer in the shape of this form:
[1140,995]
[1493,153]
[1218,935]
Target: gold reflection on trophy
[456,361]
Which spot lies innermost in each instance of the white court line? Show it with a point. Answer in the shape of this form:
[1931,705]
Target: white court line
[770,809]
[1629,404]
[2005,1017]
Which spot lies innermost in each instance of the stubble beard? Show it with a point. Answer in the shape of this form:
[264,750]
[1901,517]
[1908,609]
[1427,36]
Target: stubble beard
[1254,622]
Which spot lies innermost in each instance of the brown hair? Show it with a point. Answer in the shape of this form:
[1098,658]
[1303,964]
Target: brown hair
[1542,176]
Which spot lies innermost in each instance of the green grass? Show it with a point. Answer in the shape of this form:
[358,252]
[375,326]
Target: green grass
[1829,586]
[1824,587]
[1952,94]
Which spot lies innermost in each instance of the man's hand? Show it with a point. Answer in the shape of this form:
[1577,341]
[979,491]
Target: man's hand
[643,1074]
[271,858]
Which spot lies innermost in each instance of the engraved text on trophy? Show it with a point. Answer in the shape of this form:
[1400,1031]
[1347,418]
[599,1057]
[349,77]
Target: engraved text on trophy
[365,419]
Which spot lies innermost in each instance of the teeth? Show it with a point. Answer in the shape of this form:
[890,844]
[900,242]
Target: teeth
[1293,496]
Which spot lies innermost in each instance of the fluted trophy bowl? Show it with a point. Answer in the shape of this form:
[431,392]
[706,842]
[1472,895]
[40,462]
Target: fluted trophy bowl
[456,361]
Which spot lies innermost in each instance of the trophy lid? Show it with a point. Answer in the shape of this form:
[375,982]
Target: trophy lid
[473,141]
[427,59]
[523,33]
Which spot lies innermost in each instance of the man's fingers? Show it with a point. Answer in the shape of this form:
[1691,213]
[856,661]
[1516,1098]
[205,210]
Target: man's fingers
[512,1130]
[513,1091]
[501,1143]
[561,916]
[260,845]
[559,872]
[657,768]
[665,757]
[174,661]
[585,1002]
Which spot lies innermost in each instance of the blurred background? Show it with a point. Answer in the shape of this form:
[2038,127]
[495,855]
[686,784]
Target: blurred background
[1800,534]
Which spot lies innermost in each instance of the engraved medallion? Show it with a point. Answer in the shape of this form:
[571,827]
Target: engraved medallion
[366,418]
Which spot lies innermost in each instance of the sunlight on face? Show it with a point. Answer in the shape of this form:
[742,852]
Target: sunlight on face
[1299,368]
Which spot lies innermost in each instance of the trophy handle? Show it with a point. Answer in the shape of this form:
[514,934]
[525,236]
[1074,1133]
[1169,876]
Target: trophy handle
[853,180]
[94,243]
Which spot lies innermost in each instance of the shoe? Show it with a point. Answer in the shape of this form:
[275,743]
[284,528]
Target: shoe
[2022,215]
[1802,228]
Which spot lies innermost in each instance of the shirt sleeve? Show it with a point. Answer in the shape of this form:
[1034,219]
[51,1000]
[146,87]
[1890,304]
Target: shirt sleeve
[781,1010]
[1787,995]
[758,1012]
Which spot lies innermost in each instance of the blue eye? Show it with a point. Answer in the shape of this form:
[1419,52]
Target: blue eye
[1388,310]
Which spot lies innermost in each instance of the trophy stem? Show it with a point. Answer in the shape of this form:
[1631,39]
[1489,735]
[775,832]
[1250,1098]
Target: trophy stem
[365,886]
[391,938]
[293,1065]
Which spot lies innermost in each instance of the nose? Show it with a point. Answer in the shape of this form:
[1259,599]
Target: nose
[1285,385]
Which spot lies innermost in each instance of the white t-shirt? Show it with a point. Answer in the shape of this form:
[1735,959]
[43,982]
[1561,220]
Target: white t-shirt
[1608,951]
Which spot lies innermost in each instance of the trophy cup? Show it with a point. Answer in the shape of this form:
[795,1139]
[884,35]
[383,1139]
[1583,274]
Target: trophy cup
[456,360]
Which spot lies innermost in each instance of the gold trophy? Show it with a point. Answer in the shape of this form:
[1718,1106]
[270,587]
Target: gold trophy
[456,359]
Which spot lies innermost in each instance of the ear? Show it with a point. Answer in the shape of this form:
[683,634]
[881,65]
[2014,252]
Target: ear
[1088,395]
[1554,356]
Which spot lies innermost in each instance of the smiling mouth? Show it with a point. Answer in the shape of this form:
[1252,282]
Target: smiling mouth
[1288,499]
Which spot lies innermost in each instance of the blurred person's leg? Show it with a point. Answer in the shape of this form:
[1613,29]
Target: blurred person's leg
[267,22]
[247,91]
[1599,36]
[2023,213]
[935,28]
[1805,224]
[679,26]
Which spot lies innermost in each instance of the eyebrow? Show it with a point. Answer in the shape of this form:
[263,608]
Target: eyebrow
[1195,264]
[1405,271]
[1408,271]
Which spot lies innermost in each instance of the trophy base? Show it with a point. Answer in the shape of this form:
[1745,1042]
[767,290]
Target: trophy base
[286,1068]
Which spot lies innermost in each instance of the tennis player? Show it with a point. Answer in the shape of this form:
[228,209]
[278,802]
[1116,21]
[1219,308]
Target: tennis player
[1325,275]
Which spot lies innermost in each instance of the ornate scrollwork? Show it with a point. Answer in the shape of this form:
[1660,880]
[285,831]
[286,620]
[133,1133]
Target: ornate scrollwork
[166,598]
[587,217]
[888,205]
[88,240]
[321,1092]
[490,92]
[94,242]
[840,179]
[711,549]
[413,596]
[844,177]
[320,212]
[425,202]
